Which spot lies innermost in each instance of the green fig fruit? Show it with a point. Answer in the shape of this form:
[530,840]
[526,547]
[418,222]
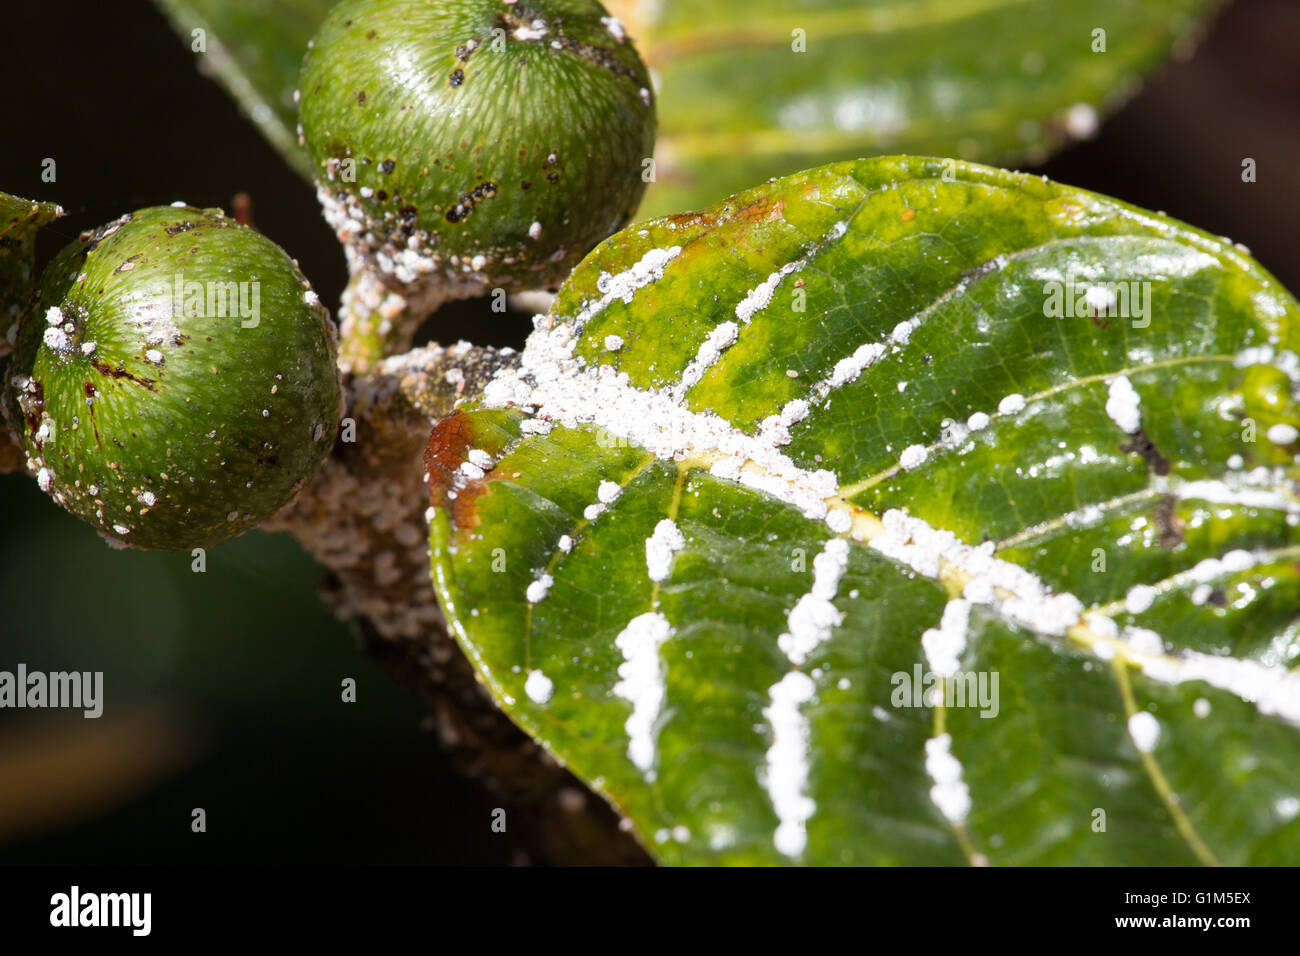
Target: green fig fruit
[175,383]
[476,143]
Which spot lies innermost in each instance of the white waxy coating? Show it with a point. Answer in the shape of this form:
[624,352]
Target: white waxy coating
[56,338]
[1145,641]
[615,28]
[1282,434]
[913,456]
[1145,731]
[1123,405]
[642,683]
[1139,598]
[538,590]
[1081,121]
[719,339]
[786,776]
[1011,404]
[814,615]
[660,547]
[949,793]
[538,687]
[760,296]
[945,644]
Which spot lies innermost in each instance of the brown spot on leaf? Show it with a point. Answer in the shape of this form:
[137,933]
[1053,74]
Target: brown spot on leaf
[1141,444]
[449,487]
[763,209]
[1169,526]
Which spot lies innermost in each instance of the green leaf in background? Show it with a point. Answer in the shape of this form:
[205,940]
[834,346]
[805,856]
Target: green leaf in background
[767,469]
[254,50]
[20,221]
[991,80]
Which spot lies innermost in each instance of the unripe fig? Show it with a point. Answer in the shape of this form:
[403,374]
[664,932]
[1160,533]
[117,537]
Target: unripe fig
[476,142]
[175,383]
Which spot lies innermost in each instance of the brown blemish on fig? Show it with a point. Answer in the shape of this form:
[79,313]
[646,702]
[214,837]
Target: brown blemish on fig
[127,264]
[120,372]
[33,406]
[463,208]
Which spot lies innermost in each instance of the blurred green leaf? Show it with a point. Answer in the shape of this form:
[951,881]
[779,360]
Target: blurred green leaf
[1001,81]
[20,221]
[825,386]
[255,51]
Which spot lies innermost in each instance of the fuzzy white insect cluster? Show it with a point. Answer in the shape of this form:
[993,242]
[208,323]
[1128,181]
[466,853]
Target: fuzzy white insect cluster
[786,770]
[642,683]
[949,793]
[1123,405]
[660,547]
[814,615]
[945,644]
[539,687]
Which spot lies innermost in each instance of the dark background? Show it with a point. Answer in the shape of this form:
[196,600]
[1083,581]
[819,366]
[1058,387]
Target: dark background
[224,687]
